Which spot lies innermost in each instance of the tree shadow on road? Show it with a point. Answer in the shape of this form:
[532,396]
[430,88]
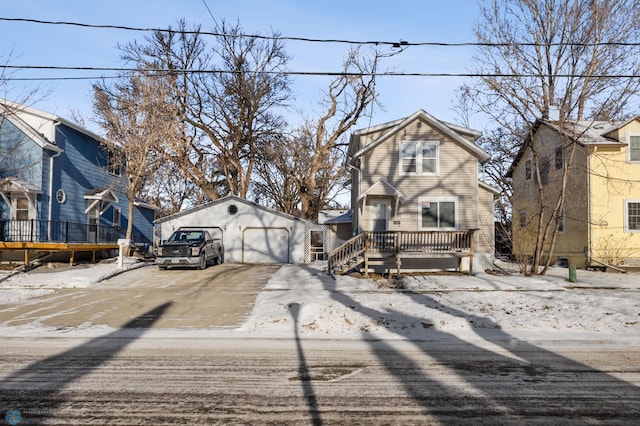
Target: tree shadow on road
[38,390]
[500,378]
[303,371]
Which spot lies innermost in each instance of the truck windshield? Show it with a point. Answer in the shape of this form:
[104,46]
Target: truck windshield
[188,236]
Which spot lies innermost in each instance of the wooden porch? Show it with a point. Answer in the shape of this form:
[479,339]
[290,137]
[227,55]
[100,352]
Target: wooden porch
[37,237]
[394,248]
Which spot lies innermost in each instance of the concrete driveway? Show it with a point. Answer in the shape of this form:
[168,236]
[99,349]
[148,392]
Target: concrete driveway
[220,296]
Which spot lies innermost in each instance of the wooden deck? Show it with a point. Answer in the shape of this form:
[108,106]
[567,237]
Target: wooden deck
[394,249]
[36,237]
[30,248]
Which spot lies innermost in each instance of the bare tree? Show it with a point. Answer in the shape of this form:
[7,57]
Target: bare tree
[538,56]
[134,114]
[171,191]
[227,98]
[310,164]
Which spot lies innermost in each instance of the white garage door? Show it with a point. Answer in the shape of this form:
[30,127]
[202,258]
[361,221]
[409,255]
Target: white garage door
[265,245]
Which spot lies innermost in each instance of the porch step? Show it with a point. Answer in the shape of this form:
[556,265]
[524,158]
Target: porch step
[352,263]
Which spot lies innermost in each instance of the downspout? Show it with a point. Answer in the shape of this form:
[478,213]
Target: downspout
[56,154]
[588,252]
[359,215]
[50,215]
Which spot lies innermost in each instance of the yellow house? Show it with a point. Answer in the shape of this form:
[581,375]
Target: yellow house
[599,221]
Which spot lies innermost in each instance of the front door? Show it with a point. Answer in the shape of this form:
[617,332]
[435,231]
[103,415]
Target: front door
[379,213]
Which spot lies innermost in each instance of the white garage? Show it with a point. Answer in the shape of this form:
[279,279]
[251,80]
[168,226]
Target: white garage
[251,233]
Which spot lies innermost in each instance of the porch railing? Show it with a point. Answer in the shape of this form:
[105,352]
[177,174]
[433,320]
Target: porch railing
[394,242]
[57,232]
[419,241]
[350,249]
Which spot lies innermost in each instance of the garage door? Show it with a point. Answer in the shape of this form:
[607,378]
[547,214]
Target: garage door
[265,245]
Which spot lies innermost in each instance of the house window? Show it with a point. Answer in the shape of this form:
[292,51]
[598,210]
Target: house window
[114,164]
[528,166]
[116,216]
[559,158]
[545,165]
[438,213]
[22,209]
[632,213]
[523,218]
[634,149]
[419,158]
[562,220]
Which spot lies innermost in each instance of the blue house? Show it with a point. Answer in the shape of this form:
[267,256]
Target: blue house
[57,184]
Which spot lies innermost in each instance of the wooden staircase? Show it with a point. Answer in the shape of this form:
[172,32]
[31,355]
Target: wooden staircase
[348,256]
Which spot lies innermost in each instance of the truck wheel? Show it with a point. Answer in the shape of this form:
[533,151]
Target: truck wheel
[218,258]
[163,268]
[203,262]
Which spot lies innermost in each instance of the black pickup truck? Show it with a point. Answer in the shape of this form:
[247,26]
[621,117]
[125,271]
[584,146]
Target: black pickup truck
[191,246]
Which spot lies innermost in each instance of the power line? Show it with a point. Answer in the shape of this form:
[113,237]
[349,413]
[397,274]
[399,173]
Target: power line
[164,72]
[396,44]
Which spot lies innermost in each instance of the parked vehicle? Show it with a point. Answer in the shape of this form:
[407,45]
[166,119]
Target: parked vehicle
[189,246]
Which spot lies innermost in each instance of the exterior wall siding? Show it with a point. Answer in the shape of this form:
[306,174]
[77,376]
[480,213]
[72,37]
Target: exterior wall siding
[235,225]
[78,169]
[600,180]
[457,177]
[572,240]
[613,181]
[486,223]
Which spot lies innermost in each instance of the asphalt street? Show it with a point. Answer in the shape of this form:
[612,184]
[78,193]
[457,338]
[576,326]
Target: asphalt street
[134,373]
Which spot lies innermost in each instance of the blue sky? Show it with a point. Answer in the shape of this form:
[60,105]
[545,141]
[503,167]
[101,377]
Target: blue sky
[414,21]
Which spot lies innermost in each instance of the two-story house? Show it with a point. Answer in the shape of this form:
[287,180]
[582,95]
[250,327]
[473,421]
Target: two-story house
[599,222]
[56,184]
[415,190]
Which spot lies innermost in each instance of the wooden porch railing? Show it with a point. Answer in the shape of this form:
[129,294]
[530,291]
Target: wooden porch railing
[349,250]
[419,241]
[392,243]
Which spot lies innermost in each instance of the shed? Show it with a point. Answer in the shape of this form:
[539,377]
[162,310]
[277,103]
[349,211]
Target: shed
[251,233]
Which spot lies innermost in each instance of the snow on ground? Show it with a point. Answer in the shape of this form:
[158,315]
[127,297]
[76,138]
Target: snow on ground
[17,286]
[302,300]
[419,305]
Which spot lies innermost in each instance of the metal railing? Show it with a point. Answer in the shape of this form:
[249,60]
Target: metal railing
[57,232]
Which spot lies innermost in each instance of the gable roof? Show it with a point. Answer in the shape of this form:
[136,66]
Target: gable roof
[594,133]
[455,132]
[226,199]
[382,187]
[12,111]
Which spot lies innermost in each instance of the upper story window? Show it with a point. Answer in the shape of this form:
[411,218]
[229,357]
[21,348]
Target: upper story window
[559,156]
[114,165]
[528,168]
[634,149]
[419,158]
[523,218]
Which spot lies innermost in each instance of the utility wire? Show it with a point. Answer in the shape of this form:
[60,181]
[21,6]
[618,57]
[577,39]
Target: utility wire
[162,72]
[395,44]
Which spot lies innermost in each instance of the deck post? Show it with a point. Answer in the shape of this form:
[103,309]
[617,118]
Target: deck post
[72,258]
[366,264]
[26,258]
